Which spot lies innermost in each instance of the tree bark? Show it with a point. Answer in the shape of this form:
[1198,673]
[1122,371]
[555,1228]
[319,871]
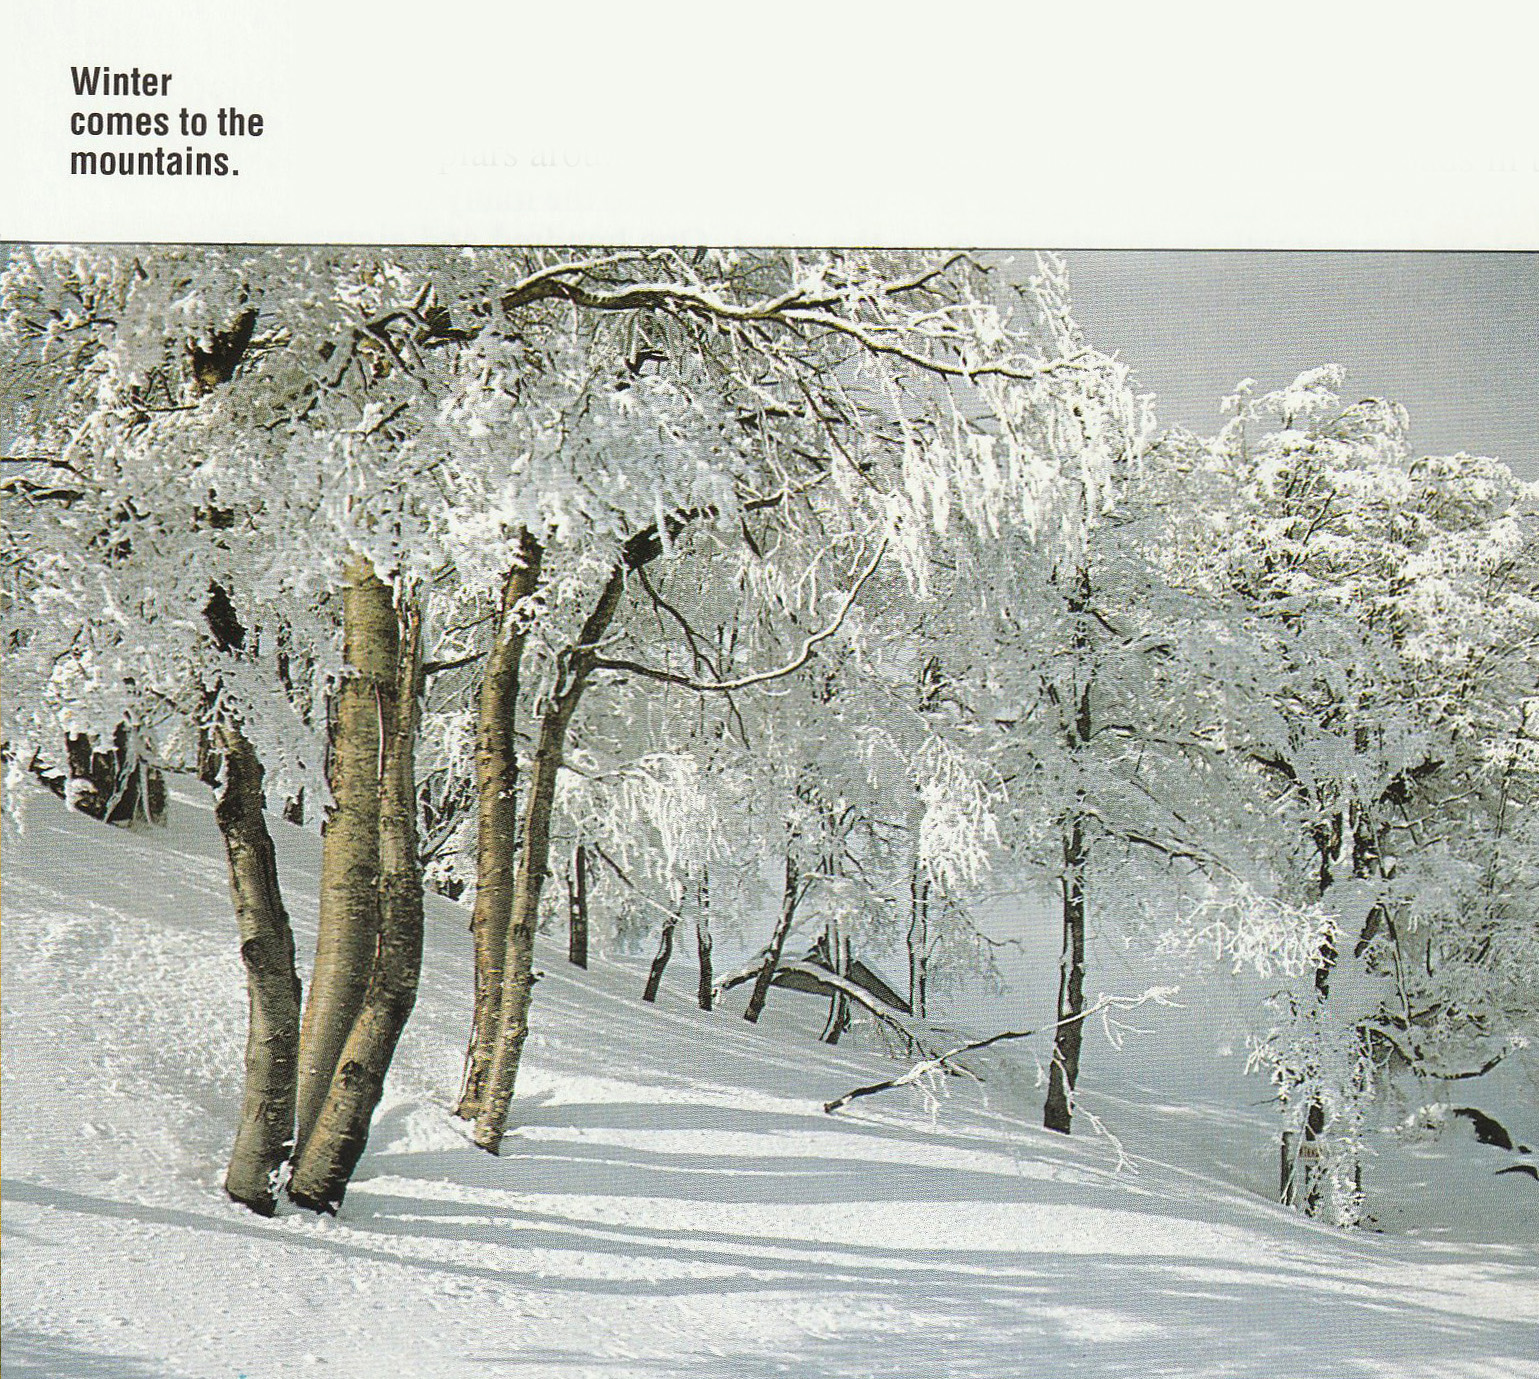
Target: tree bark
[577,910]
[839,1003]
[660,961]
[534,851]
[705,992]
[496,821]
[790,896]
[266,1131]
[918,942]
[1064,1073]
[341,1131]
[348,929]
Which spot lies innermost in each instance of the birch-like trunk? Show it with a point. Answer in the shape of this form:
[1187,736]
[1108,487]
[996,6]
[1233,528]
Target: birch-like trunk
[496,821]
[788,902]
[1070,1035]
[266,1131]
[348,929]
[534,855]
[1064,1073]
[325,1164]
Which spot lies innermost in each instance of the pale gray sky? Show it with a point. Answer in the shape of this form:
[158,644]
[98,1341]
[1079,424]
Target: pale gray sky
[1452,336]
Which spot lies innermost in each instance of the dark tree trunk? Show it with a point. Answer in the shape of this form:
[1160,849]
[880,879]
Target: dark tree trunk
[496,822]
[918,943]
[705,991]
[839,1003]
[266,1131]
[577,910]
[660,961]
[348,929]
[1069,1037]
[116,785]
[1305,1186]
[1064,1073]
[788,902]
[325,1165]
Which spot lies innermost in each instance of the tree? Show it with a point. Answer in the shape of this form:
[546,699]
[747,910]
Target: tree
[1359,586]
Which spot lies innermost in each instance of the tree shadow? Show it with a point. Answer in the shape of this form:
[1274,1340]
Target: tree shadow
[35,1355]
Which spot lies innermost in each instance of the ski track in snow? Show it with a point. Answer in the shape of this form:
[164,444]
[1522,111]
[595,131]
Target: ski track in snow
[673,1201]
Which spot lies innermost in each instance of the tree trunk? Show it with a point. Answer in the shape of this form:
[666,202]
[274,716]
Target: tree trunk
[918,942]
[705,991]
[788,902]
[838,946]
[660,961]
[577,910]
[1071,983]
[1070,1034]
[496,821]
[348,929]
[534,852]
[266,1131]
[331,1153]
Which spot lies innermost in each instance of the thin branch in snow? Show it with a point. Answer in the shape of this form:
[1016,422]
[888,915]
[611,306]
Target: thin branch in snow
[1160,995]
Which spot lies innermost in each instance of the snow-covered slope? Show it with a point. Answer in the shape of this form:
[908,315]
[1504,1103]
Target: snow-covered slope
[673,1201]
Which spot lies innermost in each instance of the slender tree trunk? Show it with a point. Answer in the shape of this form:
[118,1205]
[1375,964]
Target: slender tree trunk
[496,821]
[325,1165]
[1308,1187]
[534,853]
[266,1131]
[705,991]
[348,929]
[1071,983]
[577,910]
[1070,1034]
[918,942]
[788,902]
[660,961]
[839,1003]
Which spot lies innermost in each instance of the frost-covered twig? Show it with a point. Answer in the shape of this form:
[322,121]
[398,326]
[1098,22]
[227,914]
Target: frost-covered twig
[809,643]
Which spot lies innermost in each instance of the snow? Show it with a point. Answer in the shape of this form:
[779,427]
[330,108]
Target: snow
[673,1201]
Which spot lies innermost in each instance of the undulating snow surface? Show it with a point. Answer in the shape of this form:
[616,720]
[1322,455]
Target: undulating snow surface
[673,1200]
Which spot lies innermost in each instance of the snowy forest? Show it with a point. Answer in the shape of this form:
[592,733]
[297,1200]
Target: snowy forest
[603,657]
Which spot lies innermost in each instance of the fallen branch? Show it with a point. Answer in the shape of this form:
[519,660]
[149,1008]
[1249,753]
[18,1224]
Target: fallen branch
[942,1062]
[865,999]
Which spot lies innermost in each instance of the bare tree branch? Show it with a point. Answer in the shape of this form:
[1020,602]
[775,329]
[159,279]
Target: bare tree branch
[809,644]
[942,1062]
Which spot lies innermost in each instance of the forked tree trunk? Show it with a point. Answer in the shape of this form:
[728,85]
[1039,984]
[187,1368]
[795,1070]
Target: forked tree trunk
[331,1153]
[496,821]
[1064,1073]
[348,928]
[839,1003]
[789,898]
[705,991]
[577,910]
[266,1131]
[534,856]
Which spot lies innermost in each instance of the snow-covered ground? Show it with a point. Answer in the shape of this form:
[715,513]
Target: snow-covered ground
[673,1200]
